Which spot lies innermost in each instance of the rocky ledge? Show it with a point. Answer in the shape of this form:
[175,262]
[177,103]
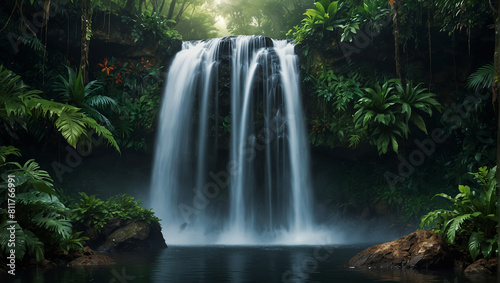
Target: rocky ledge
[134,236]
[421,250]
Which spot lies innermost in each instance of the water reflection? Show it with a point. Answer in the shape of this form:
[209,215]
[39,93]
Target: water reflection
[239,264]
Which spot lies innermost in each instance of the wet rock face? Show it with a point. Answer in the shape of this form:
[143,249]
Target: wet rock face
[135,236]
[419,250]
[483,267]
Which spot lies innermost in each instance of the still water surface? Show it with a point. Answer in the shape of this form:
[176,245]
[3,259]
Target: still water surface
[237,264]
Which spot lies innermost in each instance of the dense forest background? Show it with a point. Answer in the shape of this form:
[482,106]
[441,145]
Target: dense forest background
[401,96]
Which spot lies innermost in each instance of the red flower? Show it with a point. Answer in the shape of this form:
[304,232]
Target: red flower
[105,67]
[391,2]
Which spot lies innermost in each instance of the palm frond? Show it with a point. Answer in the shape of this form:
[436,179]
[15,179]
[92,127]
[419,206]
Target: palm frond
[482,78]
[7,150]
[101,101]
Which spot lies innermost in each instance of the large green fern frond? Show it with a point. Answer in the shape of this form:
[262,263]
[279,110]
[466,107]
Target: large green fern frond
[101,101]
[17,100]
[482,78]
[7,150]
[102,131]
[31,172]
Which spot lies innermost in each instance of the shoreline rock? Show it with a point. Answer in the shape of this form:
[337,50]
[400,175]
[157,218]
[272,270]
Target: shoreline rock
[483,267]
[418,250]
[135,236]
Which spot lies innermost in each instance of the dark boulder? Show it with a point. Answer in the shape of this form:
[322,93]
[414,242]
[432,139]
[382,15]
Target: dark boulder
[136,236]
[483,267]
[419,250]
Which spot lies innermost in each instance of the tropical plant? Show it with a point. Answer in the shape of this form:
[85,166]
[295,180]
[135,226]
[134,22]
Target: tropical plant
[18,102]
[386,111]
[413,101]
[93,212]
[90,212]
[339,90]
[152,27]
[372,13]
[376,114]
[482,78]
[42,221]
[472,221]
[72,90]
[127,207]
[136,86]
[320,21]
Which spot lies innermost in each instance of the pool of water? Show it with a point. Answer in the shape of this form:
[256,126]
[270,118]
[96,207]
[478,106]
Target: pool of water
[237,264]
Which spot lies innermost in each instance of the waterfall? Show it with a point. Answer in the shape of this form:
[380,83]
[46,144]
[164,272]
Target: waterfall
[260,190]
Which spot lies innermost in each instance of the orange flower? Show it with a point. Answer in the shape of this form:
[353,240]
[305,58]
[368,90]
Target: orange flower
[118,79]
[105,67]
[391,2]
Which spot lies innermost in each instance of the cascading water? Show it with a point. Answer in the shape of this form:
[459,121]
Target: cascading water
[261,193]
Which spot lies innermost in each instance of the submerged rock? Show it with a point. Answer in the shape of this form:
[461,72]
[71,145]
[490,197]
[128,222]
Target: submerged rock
[418,250]
[92,260]
[483,267]
[135,236]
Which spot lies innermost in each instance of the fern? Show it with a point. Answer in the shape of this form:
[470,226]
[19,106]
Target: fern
[32,41]
[7,150]
[472,222]
[74,242]
[73,91]
[453,226]
[474,245]
[18,101]
[482,78]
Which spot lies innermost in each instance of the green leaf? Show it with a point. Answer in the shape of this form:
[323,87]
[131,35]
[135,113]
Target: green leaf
[333,8]
[71,127]
[419,122]
[54,222]
[454,226]
[482,78]
[7,150]
[474,245]
[320,8]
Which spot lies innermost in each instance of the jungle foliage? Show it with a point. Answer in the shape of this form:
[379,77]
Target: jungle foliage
[356,101]
[43,222]
[472,220]
[92,212]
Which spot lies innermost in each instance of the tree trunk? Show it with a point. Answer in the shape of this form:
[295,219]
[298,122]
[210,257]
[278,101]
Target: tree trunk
[181,11]
[130,7]
[430,41]
[171,9]
[85,41]
[496,83]
[161,7]
[394,10]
